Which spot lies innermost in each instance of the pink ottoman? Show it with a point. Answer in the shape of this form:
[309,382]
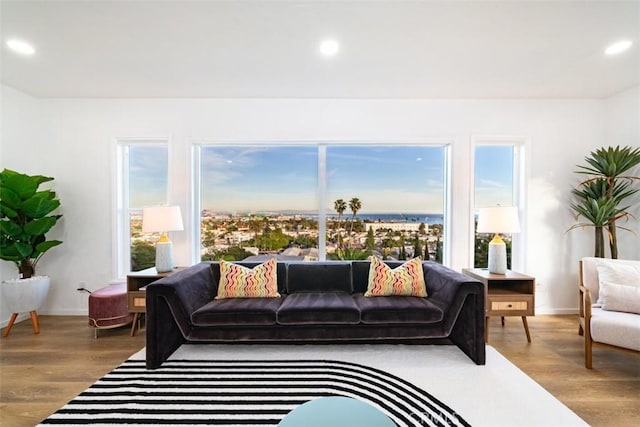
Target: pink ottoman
[108,308]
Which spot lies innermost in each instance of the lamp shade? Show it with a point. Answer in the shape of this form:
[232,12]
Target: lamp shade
[498,219]
[161,219]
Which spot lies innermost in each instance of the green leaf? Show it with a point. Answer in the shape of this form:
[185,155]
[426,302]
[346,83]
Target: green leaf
[24,249]
[39,207]
[6,211]
[45,246]
[9,197]
[23,185]
[9,252]
[10,229]
[40,226]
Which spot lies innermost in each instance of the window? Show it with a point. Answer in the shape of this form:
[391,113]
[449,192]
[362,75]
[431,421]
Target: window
[495,183]
[142,181]
[260,200]
[385,200]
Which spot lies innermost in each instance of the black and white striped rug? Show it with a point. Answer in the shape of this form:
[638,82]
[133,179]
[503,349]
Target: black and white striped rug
[258,385]
[244,393]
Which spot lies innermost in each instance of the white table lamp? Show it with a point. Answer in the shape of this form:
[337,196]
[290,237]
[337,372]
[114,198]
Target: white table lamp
[162,219]
[498,219]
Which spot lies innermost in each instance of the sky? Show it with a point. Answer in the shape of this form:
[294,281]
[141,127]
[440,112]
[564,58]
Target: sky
[386,179]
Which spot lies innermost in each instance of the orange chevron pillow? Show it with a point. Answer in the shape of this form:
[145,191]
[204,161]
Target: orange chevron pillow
[237,281]
[405,280]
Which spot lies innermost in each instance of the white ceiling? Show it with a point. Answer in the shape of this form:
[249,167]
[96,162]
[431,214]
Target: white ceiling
[258,49]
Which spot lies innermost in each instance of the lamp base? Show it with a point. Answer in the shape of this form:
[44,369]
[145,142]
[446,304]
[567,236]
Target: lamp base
[164,257]
[497,257]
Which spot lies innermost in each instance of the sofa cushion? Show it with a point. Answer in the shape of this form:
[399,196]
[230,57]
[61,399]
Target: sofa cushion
[407,280]
[311,277]
[237,281]
[397,309]
[237,311]
[318,308]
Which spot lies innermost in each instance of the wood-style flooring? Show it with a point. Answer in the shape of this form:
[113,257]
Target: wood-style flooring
[40,373]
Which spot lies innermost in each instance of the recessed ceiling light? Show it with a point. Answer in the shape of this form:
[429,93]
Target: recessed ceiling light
[329,47]
[618,47]
[21,47]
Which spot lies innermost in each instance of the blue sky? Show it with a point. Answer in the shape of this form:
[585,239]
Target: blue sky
[406,179]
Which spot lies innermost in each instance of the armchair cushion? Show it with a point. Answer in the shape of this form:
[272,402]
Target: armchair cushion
[616,297]
[615,328]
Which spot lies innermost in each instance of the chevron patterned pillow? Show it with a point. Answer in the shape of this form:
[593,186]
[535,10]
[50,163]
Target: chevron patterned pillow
[405,280]
[237,281]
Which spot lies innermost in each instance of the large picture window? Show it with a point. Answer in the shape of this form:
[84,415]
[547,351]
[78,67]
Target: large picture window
[321,201]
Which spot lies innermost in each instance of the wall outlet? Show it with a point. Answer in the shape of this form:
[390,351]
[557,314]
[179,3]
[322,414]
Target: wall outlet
[82,287]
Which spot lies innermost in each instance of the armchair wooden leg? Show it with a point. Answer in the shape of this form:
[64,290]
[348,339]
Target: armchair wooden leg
[10,325]
[588,350]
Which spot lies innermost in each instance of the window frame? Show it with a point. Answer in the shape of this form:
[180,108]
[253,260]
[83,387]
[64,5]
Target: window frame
[321,146]
[121,220]
[519,144]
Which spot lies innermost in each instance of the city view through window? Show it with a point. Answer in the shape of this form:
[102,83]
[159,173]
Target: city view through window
[261,201]
[380,200]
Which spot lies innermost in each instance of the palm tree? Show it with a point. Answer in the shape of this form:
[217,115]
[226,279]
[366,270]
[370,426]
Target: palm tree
[340,206]
[355,205]
[599,197]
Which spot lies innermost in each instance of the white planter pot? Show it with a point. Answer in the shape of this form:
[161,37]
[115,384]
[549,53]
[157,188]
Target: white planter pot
[25,295]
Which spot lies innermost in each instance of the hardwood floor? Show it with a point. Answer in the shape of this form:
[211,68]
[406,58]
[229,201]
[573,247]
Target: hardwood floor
[40,373]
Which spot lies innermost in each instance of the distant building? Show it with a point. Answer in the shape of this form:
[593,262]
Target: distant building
[395,226]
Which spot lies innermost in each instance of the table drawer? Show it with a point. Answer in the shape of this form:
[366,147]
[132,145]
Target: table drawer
[508,305]
[137,301]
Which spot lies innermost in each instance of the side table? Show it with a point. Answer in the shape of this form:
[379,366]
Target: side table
[136,295]
[510,294]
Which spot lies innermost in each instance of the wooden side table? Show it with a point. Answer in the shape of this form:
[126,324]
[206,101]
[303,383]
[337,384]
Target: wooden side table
[510,294]
[136,295]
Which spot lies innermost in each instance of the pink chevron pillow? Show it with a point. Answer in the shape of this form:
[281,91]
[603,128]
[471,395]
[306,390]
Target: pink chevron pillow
[237,281]
[405,280]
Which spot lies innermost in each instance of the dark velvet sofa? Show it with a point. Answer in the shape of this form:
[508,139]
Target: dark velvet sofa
[321,302]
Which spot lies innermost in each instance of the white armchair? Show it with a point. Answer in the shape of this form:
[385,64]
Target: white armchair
[609,304]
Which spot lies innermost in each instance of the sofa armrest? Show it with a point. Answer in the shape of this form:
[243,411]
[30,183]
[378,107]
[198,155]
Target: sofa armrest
[462,300]
[445,284]
[585,309]
[170,303]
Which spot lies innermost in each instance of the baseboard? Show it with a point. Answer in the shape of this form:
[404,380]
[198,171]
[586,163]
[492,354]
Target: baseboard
[24,316]
[557,311]
[64,312]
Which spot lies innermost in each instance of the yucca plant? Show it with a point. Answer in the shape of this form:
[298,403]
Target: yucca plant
[601,198]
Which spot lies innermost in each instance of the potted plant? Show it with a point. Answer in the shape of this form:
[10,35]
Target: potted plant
[601,198]
[25,218]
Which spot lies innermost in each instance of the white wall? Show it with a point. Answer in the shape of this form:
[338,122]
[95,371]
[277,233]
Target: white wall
[623,128]
[72,140]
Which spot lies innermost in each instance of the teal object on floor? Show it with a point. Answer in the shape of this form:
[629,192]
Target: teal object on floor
[336,411]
